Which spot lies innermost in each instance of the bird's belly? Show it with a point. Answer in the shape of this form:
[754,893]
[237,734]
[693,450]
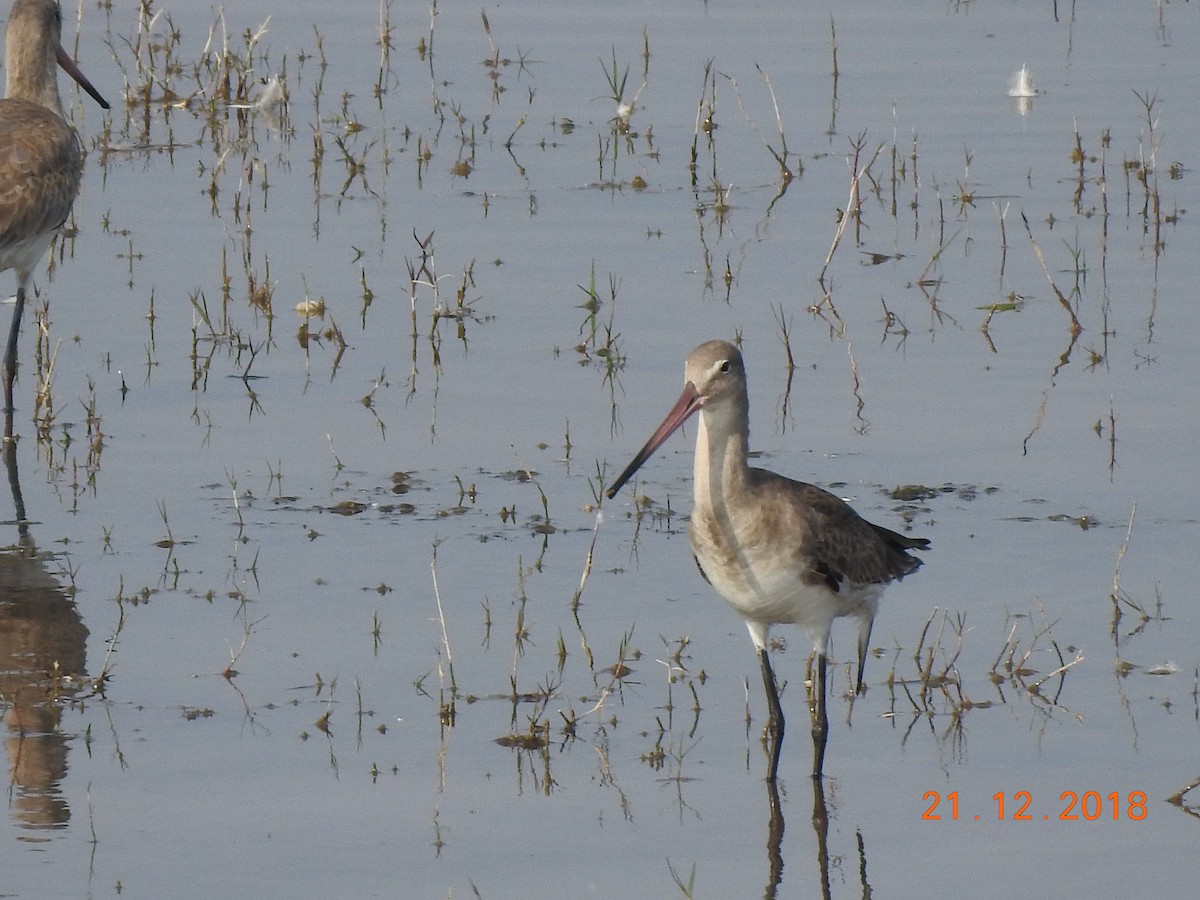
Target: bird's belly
[771,595]
[764,586]
[24,253]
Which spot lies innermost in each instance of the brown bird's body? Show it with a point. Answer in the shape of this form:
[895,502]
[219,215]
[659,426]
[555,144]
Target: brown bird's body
[778,551]
[41,160]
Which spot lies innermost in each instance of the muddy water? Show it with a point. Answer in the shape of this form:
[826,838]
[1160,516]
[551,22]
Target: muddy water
[338,613]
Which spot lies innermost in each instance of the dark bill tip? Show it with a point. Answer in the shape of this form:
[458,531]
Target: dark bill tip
[71,69]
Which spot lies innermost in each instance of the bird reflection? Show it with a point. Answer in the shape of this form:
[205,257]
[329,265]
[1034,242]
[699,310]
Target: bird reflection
[43,644]
[820,824]
[775,839]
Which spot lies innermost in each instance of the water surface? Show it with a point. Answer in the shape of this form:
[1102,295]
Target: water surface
[212,488]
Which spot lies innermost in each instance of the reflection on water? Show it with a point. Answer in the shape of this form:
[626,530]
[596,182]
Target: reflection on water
[42,652]
[820,824]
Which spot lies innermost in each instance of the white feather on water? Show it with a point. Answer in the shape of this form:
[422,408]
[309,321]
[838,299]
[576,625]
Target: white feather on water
[1021,84]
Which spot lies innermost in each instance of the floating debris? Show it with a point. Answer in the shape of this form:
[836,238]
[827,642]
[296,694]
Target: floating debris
[272,98]
[1021,84]
[1164,668]
[532,740]
[311,308]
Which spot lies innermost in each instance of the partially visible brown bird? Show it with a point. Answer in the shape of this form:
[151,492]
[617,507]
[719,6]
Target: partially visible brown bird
[41,159]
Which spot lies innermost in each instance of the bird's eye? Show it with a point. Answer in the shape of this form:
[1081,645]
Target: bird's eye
[725,365]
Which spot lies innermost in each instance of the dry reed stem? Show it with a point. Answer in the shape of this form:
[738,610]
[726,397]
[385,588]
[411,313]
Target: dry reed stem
[1009,642]
[1116,588]
[833,90]
[851,201]
[587,562]
[781,155]
[1076,328]
[1177,799]
[1079,657]
[937,254]
[1118,596]
[448,710]
[229,672]
[106,668]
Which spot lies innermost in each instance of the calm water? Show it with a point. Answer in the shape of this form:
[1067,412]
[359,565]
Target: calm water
[210,477]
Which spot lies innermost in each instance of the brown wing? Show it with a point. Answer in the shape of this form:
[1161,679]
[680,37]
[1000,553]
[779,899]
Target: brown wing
[41,164]
[847,546]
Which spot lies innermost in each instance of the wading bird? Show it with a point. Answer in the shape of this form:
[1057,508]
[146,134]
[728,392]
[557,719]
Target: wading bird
[779,551]
[41,159]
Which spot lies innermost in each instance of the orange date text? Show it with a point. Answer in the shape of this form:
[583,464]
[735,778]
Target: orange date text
[1019,806]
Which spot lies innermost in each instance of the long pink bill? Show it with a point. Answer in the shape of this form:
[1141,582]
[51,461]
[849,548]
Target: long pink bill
[688,403]
[71,69]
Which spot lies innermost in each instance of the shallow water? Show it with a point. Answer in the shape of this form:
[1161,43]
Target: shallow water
[214,489]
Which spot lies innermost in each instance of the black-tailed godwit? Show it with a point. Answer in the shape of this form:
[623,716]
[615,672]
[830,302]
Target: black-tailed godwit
[779,551]
[41,160]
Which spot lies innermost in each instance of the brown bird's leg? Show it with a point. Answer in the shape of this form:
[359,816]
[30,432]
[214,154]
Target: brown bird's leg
[864,643]
[774,713]
[10,358]
[820,719]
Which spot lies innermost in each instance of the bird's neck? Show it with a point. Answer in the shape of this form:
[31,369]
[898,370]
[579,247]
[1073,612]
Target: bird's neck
[32,77]
[722,443]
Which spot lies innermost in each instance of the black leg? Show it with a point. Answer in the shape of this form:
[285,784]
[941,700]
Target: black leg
[774,713]
[10,357]
[864,642]
[820,719]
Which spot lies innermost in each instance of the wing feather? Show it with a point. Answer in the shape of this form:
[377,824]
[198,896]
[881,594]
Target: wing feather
[41,165]
[841,544]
